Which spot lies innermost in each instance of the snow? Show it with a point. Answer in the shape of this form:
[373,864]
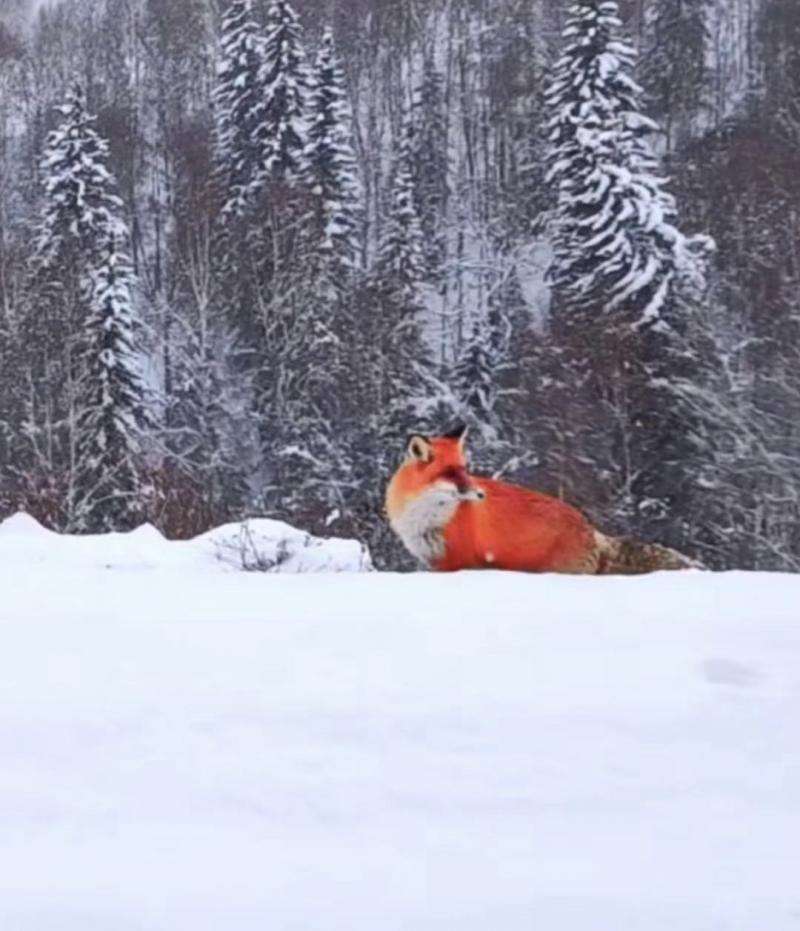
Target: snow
[256,544]
[196,750]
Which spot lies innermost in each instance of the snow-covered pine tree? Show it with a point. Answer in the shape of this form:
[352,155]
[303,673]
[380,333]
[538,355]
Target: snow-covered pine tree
[431,166]
[269,279]
[290,355]
[311,439]
[239,102]
[80,206]
[12,380]
[112,400]
[617,268]
[486,380]
[614,239]
[210,433]
[331,166]
[284,76]
[239,96]
[409,373]
[401,251]
[89,361]
[475,378]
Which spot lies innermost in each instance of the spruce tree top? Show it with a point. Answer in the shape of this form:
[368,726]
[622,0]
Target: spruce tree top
[285,79]
[239,104]
[80,203]
[330,158]
[330,116]
[401,258]
[616,244]
[594,101]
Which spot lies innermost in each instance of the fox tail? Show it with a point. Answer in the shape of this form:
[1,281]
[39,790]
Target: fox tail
[623,556]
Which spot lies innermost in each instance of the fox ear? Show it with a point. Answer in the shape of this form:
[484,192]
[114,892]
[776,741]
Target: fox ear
[420,449]
[458,433]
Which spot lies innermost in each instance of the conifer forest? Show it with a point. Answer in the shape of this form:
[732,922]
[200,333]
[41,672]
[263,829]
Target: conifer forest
[248,246]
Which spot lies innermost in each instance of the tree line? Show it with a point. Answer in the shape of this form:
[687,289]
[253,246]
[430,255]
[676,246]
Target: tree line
[246,248]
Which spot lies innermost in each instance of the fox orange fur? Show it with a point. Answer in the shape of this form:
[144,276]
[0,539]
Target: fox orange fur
[452,520]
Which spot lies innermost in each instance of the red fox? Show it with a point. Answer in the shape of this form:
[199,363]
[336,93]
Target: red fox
[452,520]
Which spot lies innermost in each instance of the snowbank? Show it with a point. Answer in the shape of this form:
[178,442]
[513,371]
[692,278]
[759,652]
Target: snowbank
[256,545]
[192,750]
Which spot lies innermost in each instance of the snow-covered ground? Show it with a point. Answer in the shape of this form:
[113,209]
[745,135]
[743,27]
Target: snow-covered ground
[184,749]
[256,545]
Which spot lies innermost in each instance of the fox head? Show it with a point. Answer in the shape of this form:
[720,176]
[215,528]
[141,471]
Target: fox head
[433,462]
[440,459]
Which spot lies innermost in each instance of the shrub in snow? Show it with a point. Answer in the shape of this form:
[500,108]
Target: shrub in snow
[272,546]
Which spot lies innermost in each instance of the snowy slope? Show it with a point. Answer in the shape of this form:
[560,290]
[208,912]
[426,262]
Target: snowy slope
[188,750]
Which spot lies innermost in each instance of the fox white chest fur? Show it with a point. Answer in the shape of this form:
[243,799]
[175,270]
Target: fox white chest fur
[421,521]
